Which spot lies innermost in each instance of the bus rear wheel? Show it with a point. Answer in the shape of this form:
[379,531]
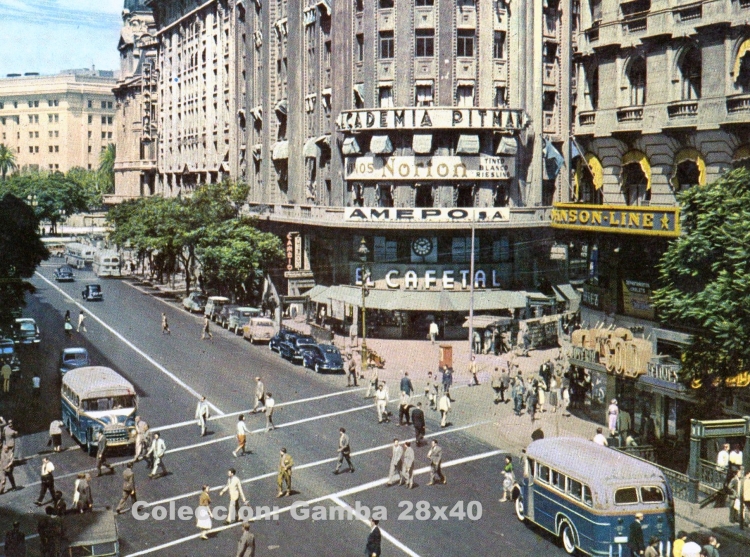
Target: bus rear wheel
[567,538]
[519,509]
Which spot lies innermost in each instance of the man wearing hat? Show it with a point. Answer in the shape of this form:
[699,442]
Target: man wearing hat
[635,536]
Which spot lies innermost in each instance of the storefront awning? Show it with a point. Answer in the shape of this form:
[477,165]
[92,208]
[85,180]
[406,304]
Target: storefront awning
[507,146]
[689,155]
[468,144]
[381,145]
[569,294]
[422,143]
[280,151]
[637,157]
[280,108]
[311,150]
[351,147]
[484,321]
[594,165]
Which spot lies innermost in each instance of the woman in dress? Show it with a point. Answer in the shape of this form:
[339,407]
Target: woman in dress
[553,393]
[508,480]
[203,513]
[612,413]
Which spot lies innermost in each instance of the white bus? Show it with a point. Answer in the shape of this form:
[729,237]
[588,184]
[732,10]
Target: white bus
[106,263]
[79,255]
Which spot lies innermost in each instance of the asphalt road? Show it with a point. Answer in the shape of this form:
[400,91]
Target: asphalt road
[170,371]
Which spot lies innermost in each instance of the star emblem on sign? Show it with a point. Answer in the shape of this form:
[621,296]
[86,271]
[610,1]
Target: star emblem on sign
[664,222]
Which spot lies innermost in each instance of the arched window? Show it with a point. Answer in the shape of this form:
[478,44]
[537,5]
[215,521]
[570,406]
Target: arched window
[743,75]
[592,86]
[589,180]
[690,74]
[636,178]
[637,82]
[689,170]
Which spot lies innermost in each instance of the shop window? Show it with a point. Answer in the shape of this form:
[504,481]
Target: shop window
[461,249]
[690,75]
[635,185]
[464,195]
[687,176]
[424,196]
[637,82]
[501,250]
[385,250]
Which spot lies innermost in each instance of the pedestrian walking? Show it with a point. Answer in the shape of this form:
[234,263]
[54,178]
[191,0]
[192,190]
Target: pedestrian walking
[473,371]
[128,488]
[48,481]
[429,389]
[206,331]
[55,435]
[260,396]
[165,325]
[417,420]
[381,401]
[434,331]
[285,474]
[733,496]
[36,385]
[554,393]
[142,441]
[5,372]
[203,514]
[60,508]
[81,322]
[246,545]
[68,326]
[532,399]
[242,433]
[372,549]
[541,393]
[435,454]
[234,487]
[635,536]
[202,414]
[508,480]
[407,466]
[447,380]
[599,438]
[394,472]
[565,395]
[613,413]
[679,543]
[351,377]
[404,406]
[344,451]
[444,405]
[497,385]
[476,342]
[372,386]
[158,448]
[405,385]
[711,549]
[6,469]
[270,405]
[101,456]
[15,542]
[9,436]
[83,500]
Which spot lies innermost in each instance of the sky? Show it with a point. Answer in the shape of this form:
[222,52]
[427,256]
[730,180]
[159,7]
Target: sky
[47,36]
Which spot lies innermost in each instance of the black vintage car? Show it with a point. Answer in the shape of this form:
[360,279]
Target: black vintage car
[92,293]
[64,273]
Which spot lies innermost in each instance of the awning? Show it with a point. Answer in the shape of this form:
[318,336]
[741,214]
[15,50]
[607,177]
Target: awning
[325,5]
[280,151]
[468,145]
[351,147]
[689,155]
[316,291]
[422,143]
[424,82]
[257,112]
[637,157]
[324,141]
[280,108]
[257,151]
[359,91]
[596,169]
[484,321]
[570,295]
[744,48]
[311,150]
[508,146]
[741,154]
[465,83]
[381,145]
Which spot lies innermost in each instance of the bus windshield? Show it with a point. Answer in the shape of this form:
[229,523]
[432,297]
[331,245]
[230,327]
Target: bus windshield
[108,403]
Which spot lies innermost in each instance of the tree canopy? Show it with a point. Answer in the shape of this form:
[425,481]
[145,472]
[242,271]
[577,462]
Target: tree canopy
[7,161]
[705,278]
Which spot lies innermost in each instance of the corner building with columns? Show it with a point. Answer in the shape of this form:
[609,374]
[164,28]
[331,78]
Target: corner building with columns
[406,123]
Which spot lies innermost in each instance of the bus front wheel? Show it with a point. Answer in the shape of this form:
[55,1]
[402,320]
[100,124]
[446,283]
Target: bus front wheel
[567,538]
[520,509]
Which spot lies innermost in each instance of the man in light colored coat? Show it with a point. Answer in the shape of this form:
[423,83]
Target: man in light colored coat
[407,466]
[260,395]
[435,454]
[158,448]
[394,472]
[234,487]
[202,414]
[444,405]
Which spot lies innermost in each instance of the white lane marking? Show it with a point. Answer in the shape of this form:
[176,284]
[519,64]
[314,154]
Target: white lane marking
[329,497]
[137,350]
[385,534]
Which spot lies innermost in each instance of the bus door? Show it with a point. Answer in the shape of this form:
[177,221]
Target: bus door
[528,473]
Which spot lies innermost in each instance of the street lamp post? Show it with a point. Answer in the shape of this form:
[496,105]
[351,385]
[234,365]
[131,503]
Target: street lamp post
[363,252]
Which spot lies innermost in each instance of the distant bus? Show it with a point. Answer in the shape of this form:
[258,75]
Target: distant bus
[98,399]
[56,244]
[106,263]
[79,255]
[587,496]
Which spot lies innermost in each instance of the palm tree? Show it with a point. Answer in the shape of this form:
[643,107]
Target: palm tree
[107,167]
[7,160]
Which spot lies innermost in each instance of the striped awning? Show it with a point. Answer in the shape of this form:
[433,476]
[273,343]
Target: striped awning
[468,144]
[381,145]
[422,143]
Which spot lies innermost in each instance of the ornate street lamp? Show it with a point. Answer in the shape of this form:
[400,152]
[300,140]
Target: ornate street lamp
[363,252]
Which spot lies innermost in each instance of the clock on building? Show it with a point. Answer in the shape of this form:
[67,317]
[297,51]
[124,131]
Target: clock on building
[422,246]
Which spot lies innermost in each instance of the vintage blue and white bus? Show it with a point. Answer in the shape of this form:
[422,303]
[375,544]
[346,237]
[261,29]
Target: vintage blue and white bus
[98,399]
[106,263]
[588,495]
[79,255]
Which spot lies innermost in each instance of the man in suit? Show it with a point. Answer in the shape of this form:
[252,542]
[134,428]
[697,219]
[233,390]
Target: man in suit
[128,487]
[635,537]
[260,395]
[394,473]
[407,466]
[101,457]
[234,487]
[373,540]
[435,454]
[417,420]
[406,386]
[158,449]
[202,414]
[285,474]
[246,545]
[344,451]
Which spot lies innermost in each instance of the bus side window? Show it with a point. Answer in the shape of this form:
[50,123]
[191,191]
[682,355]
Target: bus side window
[587,496]
[558,480]
[575,489]
[543,473]
[651,494]
[626,496]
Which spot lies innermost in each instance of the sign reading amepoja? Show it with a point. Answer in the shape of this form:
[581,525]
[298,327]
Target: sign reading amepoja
[434,214]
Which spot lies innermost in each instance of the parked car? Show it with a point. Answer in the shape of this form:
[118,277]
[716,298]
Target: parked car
[72,358]
[92,293]
[27,331]
[64,273]
[281,336]
[292,349]
[323,357]
[8,354]
[213,306]
[195,302]
[222,318]
[239,317]
[259,329]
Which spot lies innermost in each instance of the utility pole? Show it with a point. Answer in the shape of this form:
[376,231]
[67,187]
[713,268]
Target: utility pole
[471,296]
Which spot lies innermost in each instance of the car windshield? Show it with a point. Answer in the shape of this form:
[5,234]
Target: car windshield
[65,270]
[94,288]
[28,326]
[307,347]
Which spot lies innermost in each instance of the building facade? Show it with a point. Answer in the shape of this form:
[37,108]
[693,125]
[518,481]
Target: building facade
[405,124]
[136,104]
[57,122]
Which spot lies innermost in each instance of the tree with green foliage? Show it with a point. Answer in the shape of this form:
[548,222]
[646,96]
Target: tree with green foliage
[705,278]
[21,252]
[107,168]
[7,161]
[92,185]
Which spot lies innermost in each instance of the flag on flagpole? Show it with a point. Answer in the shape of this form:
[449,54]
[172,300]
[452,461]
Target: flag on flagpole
[553,160]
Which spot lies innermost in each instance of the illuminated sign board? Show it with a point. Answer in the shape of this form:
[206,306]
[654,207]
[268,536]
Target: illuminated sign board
[429,118]
[481,167]
[434,214]
[626,219]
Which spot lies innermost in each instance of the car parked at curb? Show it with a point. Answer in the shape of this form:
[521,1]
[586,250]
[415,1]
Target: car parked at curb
[8,354]
[64,273]
[27,331]
[222,318]
[323,357]
[195,302]
[213,306]
[241,316]
[92,293]
[292,349]
[281,336]
[73,358]
[259,329]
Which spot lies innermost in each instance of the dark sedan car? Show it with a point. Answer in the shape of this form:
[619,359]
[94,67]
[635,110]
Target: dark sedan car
[27,331]
[292,349]
[73,358]
[92,293]
[64,273]
[323,357]
[282,336]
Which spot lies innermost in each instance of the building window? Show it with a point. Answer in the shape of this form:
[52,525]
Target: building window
[386,44]
[359,5]
[360,47]
[592,87]
[498,49]
[385,97]
[91,104]
[686,176]
[461,249]
[424,3]
[104,105]
[425,47]
[91,119]
[89,152]
[637,81]
[104,135]
[500,98]
[548,101]
[464,196]
[423,196]
[31,150]
[424,95]
[465,95]
[635,185]
[386,3]
[385,195]
[465,43]
[596,11]
[690,74]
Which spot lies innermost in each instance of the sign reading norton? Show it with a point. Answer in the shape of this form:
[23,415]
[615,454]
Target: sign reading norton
[482,167]
[435,118]
[651,221]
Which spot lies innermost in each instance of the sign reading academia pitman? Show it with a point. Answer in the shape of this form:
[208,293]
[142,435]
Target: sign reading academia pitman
[482,167]
[624,219]
[432,118]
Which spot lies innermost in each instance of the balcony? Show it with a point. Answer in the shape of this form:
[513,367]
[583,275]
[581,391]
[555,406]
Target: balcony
[682,109]
[592,35]
[630,114]
[738,103]
[587,118]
